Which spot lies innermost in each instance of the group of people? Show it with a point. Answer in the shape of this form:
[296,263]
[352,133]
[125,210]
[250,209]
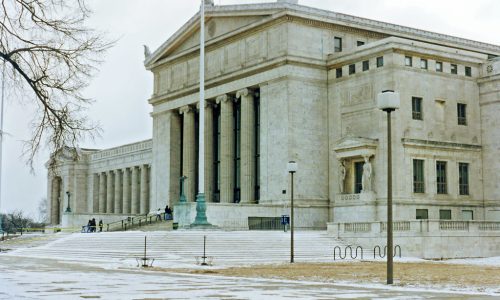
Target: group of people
[168,213]
[91,226]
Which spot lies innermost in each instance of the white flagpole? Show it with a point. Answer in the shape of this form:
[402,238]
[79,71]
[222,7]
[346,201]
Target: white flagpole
[201,135]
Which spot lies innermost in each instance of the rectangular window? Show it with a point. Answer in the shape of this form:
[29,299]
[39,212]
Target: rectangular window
[416,108]
[468,71]
[358,177]
[217,152]
[257,145]
[463,178]
[462,113]
[439,66]
[422,214]
[445,214]
[423,63]
[380,61]
[360,43]
[441,177]
[454,69]
[337,44]
[237,150]
[408,61]
[352,69]
[366,65]
[418,176]
[467,215]
[338,72]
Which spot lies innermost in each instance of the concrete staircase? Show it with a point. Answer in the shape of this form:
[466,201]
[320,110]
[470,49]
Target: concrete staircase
[180,247]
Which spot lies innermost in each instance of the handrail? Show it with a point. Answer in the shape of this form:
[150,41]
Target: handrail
[130,222]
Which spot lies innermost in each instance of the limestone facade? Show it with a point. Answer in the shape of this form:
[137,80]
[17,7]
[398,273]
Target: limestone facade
[288,82]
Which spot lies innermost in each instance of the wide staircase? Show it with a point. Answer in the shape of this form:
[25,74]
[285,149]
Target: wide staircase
[182,247]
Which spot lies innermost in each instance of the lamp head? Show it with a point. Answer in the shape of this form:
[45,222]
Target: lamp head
[388,100]
[68,193]
[292,166]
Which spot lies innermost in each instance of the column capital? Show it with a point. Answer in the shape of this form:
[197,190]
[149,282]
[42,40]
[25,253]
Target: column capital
[244,92]
[222,98]
[208,104]
[185,109]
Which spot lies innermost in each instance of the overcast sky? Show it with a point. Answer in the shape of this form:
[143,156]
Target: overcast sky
[122,87]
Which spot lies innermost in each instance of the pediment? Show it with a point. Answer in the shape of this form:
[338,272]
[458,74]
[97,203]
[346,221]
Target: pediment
[355,146]
[217,25]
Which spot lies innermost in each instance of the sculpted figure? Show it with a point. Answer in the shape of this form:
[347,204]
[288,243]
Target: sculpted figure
[366,180]
[342,173]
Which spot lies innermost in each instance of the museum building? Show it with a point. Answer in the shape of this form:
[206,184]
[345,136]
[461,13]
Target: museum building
[286,82]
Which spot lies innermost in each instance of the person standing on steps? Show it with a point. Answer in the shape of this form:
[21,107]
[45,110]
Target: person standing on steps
[158,214]
[93,226]
[100,225]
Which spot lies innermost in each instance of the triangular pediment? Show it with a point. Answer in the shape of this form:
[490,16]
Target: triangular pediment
[217,24]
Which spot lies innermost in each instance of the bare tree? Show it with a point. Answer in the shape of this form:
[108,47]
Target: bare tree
[49,56]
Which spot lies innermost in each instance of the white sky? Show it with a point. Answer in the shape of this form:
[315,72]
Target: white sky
[122,87]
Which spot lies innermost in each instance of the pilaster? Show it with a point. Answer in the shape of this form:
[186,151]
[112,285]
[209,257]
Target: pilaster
[102,192]
[109,192]
[144,189]
[126,191]
[135,206]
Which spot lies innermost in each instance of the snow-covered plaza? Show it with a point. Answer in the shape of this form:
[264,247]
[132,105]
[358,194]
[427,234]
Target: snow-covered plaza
[65,266]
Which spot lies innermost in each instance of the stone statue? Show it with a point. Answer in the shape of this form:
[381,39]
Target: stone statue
[147,52]
[366,180]
[342,173]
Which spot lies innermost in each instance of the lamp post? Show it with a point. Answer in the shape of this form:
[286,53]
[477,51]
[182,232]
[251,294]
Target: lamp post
[292,168]
[389,101]
[68,209]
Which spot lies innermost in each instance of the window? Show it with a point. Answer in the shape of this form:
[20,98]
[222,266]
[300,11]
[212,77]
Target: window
[338,72]
[416,108]
[257,145]
[337,44]
[380,61]
[423,63]
[422,214]
[418,176]
[408,61]
[468,71]
[445,214]
[217,152]
[360,43]
[463,178]
[237,150]
[366,65]
[454,69]
[462,113]
[358,177]
[439,66]
[467,215]
[441,177]
[352,69]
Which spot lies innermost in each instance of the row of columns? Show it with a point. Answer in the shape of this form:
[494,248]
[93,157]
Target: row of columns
[122,191]
[227,149]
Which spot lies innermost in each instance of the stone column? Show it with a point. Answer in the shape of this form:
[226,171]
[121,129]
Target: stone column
[95,193]
[227,149]
[135,207]
[144,189]
[247,146]
[109,192]
[189,153]
[54,201]
[118,192]
[209,152]
[126,191]
[102,192]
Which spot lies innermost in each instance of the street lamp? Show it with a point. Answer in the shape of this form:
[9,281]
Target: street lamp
[388,101]
[68,209]
[292,168]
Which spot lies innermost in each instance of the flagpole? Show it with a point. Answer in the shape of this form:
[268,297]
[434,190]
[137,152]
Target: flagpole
[201,206]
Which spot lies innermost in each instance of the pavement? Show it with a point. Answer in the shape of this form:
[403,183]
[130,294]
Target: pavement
[36,278]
